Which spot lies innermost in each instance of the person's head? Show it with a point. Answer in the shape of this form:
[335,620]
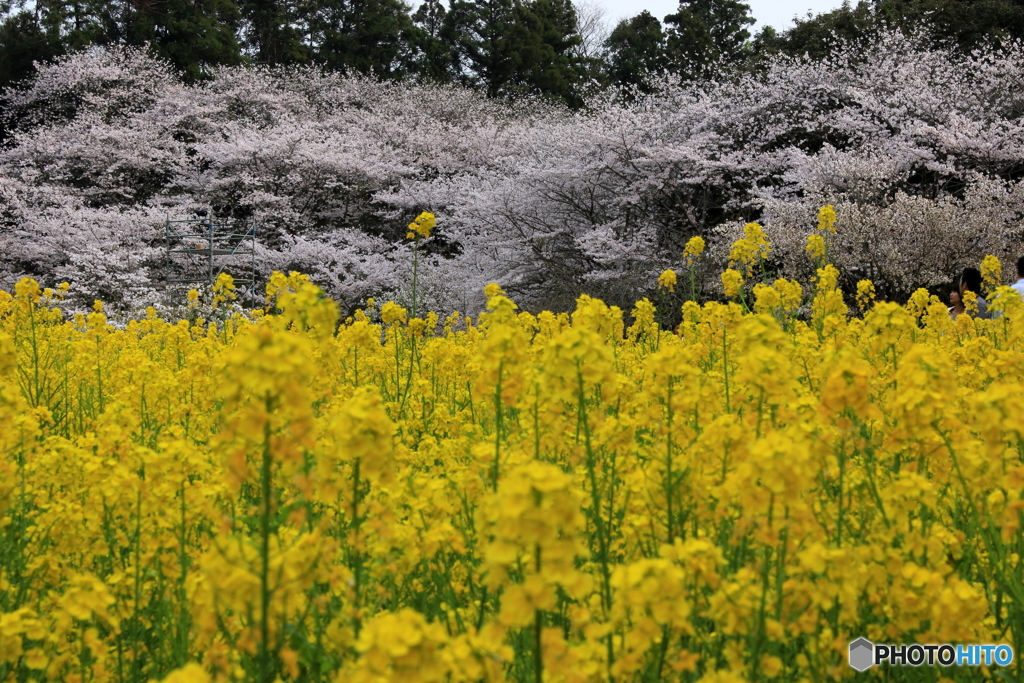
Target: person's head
[970,281]
[954,296]
[1020,267]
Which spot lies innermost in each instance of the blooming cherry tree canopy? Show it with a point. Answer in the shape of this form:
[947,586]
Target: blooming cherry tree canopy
[918,149]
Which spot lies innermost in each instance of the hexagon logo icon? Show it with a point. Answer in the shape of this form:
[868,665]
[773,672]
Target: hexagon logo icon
[862,654]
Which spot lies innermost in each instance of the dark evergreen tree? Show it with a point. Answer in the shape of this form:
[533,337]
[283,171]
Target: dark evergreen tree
[22,42]
[270,33]
[190,34]
[485,36]
[816,36]
[75,24]
[512,48]
[703,33]
[636,51]
[361,36]
[434,57]
[689,46]
[550,64]
[967,24]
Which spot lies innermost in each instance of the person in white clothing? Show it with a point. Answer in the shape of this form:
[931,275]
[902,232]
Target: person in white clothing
[1019,284]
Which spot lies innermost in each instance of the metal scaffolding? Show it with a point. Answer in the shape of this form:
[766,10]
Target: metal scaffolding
[219,241]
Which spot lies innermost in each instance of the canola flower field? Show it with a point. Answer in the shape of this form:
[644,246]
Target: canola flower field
[518,497]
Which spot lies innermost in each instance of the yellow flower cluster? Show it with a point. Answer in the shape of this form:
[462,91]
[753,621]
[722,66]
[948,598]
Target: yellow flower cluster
[519,497]
[991,273]
[223,290]
[422,226]
[667,280]
[865,295]
[818,242]
[750,251]
[815,248]
[732,282]
[694,248]
[827,220]
[782,298]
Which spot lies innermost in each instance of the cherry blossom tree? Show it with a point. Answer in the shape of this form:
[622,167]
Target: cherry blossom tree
[919,150]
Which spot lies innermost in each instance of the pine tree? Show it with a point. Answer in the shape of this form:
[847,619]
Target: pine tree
[76,24]
[636,51]
[434,57]
[269,32]
[689,46]
[549,64]
[361,36]
[968,24]
[190,34]
[23,41]
[703,33]
[486,38]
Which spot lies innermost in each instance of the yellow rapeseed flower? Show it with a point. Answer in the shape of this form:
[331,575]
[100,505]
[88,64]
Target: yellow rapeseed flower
[667,280]
[391,313]
[732,280]
[694,248]
[827,219]
[512,496]
[815,247]
[991,273]
[422,226]
[865,295]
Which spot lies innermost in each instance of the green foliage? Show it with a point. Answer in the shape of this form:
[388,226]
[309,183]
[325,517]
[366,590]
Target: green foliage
[484,32]
[22,41]
[689,48]
[270,35]
[692,42]
[509,48]
[190,34]
[636,50]
[369,37]
[703,32]
[552,67]
[434,57]
[967,24]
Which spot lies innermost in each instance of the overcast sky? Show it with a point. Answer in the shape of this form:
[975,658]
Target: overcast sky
[777,13]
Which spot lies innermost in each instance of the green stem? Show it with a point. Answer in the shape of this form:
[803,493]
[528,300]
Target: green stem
[181,639]
[839,521]
[137,552]
[725,369]
[538,653]
[583,424]
[668,464]
[415,271]
[357,559]
[266,673]
[499,424]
